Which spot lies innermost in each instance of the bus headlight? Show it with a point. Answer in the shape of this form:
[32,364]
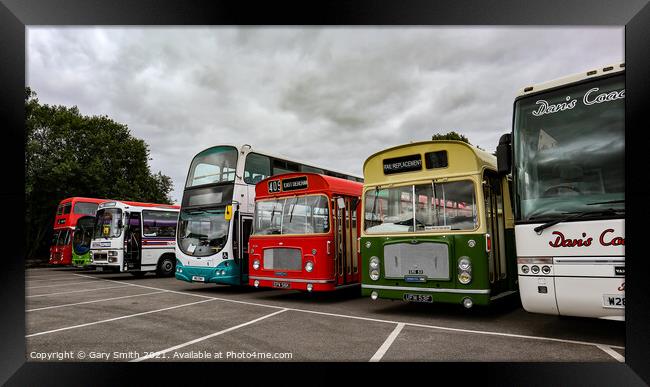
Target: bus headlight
[464,277]
[256,264]
[464,264]
[525,269]
[374,275]
[374,263]
[112,253]
[368,244]
[309,266]
[535,269]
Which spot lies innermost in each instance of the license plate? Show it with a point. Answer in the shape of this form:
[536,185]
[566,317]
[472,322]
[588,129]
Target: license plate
[279,284]
[415,278]
[198,278]
[613,301]
[418,297]
[99,268]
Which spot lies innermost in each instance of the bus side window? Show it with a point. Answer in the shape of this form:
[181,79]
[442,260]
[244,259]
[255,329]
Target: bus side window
[257,168]
[307,168]
[281,166]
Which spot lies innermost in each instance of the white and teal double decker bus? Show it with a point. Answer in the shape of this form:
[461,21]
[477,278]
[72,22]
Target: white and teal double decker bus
[218,207]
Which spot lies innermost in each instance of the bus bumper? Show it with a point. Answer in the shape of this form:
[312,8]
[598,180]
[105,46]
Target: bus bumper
[206,275]
[573,296]
[449,297]
[291,284]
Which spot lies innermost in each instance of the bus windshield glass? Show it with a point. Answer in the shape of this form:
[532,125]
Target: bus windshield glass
[202,232]
[421,208]
[60,237]
[212,166]
[107,223]
[85,208]
[298,215]
[82,235]
[570,150]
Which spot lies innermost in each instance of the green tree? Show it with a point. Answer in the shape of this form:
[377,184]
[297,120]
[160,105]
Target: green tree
[68,154]
[453,136]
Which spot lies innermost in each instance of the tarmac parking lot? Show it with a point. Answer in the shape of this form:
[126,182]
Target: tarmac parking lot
[79,315]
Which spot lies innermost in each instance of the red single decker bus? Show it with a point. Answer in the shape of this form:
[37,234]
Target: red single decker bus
[305,233]
[65,220]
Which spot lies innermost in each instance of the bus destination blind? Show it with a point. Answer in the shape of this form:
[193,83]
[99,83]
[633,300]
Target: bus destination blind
[403,164]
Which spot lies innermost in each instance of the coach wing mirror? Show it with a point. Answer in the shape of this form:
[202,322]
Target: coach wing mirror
[340,203]
[504,154]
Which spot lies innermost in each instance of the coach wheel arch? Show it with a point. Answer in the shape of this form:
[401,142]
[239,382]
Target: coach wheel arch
[166,265]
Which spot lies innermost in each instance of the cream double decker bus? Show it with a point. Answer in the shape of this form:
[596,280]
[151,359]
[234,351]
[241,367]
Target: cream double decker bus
[567,157]
[437,225]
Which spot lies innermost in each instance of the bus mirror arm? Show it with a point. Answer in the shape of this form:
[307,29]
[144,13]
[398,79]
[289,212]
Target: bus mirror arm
[504,154]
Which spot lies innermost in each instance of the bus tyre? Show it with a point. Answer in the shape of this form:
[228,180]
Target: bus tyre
[166,267]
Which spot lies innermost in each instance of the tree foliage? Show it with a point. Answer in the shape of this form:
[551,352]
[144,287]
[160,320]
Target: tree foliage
[453,136]
[68,154]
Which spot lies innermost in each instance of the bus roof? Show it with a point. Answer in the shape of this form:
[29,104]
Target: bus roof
[574,78]
[84,199]
[312,182]
[462,159]
[123,203]
[240,148]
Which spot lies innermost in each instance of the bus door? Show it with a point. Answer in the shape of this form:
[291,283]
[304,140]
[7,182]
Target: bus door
[133,241]
[344,240]
[354,206]
[244,227]
[495,221]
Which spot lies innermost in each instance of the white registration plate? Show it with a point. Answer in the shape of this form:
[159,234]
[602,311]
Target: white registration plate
[198,278]
[99,268]
[613,301]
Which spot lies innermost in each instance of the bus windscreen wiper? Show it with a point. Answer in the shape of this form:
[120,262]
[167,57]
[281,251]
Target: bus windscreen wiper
[607,202]
[574,215]
[374,201]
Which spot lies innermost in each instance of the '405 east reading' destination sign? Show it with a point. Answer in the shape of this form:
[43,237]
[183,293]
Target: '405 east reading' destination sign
[403,164]
[293,184]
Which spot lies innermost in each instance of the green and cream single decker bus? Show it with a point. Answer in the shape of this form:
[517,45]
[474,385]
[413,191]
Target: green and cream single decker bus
[437,225]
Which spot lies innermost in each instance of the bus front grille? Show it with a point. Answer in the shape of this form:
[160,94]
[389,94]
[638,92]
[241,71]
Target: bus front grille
[99,257]
[282,259]
[421,259]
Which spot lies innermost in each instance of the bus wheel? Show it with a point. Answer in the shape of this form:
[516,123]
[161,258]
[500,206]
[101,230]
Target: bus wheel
[166,267]
[138,274]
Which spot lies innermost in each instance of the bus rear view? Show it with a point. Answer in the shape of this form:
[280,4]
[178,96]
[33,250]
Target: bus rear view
[568,164]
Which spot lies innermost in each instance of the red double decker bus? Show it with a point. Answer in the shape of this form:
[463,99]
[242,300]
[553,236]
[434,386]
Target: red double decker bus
[65,220]
[305,233]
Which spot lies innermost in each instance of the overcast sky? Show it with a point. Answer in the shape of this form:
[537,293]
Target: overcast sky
[329,96]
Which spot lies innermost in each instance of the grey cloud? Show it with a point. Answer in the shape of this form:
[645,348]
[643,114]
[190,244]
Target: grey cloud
[330,96]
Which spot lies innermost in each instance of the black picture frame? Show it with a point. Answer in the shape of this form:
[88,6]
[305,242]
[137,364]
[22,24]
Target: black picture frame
[15,15]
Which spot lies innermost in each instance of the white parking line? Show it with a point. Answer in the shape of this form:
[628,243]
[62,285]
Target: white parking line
[155,354]
[51,286]
[608,350]
[116,318]
[389,341]
[77,291]
[380,320]
[49,278]
[94,301]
